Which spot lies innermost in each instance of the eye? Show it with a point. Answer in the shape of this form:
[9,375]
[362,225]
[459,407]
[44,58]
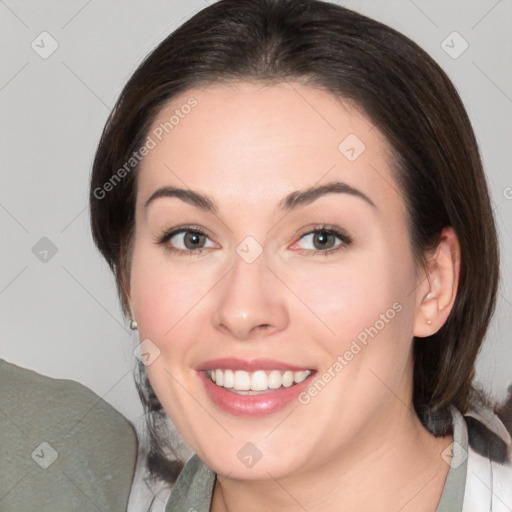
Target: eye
[324,240]
[190,240]
[185,240]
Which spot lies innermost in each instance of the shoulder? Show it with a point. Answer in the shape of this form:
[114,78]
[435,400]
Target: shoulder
[61,443]
[27,393]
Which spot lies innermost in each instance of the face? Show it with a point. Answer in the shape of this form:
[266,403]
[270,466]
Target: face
[283,268]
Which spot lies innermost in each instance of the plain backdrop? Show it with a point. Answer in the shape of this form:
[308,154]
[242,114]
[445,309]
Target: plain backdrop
[59,313]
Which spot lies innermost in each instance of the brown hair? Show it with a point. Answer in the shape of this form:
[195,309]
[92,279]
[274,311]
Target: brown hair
[402,91]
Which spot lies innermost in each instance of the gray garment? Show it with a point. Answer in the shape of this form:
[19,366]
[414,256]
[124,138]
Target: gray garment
[452,496]
[63,448]
[194,488]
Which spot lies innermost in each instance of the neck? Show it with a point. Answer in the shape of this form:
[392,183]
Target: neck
[394,465]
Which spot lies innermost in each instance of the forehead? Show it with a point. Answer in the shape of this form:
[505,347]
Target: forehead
[263,141]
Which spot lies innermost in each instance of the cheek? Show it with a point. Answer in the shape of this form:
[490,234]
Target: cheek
[163,294]
[363,326]
[347,299]
[149,299]
[163,299]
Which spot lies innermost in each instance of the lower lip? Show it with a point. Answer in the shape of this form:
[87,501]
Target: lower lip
[252,406]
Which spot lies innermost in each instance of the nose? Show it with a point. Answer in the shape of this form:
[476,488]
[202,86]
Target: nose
[251,301]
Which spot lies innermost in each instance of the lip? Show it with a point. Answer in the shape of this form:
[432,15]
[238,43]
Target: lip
[253,406]
[232,363]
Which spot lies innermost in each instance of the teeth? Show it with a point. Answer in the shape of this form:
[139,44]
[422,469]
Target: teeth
[242,380]
[229,379]
[288,379]
[259,380]
[300,376]
[275,379]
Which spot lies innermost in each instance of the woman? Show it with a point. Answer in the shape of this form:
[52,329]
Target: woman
[292,201]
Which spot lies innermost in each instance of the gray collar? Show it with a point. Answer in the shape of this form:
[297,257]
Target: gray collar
[453,490]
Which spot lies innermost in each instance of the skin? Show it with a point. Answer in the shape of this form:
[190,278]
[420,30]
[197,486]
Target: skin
[248,146]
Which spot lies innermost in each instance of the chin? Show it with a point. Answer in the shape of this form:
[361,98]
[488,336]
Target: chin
[249,463]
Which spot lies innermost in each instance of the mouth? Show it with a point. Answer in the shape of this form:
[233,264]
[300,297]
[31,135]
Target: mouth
[253,388]
[257,382]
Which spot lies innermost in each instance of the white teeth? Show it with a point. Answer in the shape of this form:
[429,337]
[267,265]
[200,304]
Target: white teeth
[288,379]
[274,379]
[300,376]
[260,380]
[242,380]
[229,379]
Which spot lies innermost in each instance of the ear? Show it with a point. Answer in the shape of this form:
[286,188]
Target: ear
[437,290]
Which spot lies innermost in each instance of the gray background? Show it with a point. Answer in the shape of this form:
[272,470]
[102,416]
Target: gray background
[59,313]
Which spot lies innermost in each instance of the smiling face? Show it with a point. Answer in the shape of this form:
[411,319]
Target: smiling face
[287,252]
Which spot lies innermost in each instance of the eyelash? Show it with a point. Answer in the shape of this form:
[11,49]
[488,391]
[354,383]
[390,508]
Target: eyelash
[329,230]
[163,239]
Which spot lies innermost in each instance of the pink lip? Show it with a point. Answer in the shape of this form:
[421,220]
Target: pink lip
[252,406]
[231,363]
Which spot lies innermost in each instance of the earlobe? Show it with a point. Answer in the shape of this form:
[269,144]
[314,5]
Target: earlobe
[437,292]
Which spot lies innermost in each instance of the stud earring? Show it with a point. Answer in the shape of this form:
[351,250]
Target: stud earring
[429,322]
[133,325]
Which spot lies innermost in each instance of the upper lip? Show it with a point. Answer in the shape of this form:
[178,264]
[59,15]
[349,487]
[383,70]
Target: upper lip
[231,363]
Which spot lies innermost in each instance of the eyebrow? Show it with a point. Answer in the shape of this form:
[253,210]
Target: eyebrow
[291,202]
